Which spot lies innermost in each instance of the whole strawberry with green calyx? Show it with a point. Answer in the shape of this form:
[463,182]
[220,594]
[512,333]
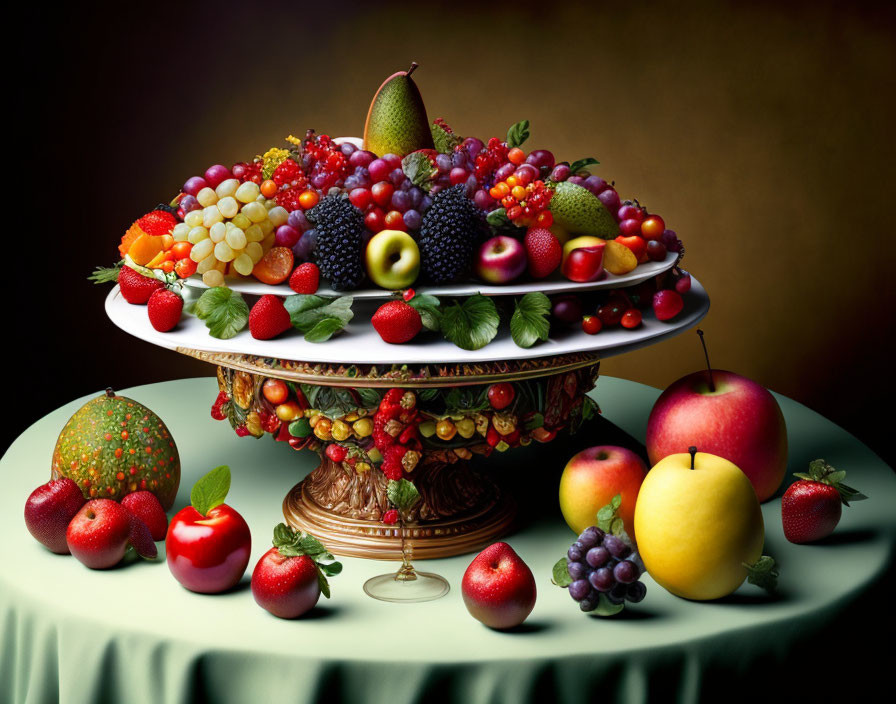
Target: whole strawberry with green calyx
[164,308]
[290,577]
[811,508]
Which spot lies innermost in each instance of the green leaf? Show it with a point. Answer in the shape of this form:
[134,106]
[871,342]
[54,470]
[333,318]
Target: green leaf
[427,306]
[472,324]
[529,322]
[616,502]
[419,170]
[306,311]
[225,312]
[211,490]
[605,607]
[560,573]
[402,494]
[536,421]
[324,329]
[444,141]
[104,275]
[292,543]
[763,573]
[323,583]
[369,397]
[498,220]
[518,133]
[580,164]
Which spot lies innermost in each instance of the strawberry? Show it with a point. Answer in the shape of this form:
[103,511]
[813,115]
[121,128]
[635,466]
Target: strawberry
[268,318]
[397,322]
[811,507]
[305,278]
[164,308]
[543,251]
[135,287]
[145,506]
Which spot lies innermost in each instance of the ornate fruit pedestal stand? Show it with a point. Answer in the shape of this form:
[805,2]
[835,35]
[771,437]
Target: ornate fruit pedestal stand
[439,414]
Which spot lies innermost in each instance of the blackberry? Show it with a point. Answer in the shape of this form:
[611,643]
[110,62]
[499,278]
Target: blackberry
[170,209]
[339,226]
[448,234]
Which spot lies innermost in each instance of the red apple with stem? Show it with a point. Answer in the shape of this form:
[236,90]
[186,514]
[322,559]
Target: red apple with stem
[290,577]
[49,509]
[498,587]
[208,542]
[726,415]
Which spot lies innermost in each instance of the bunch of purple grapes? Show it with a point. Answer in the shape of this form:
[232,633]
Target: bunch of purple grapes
[603,563]
[458,167]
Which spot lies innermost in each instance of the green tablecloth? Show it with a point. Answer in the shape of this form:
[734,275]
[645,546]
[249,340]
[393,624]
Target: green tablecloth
[134,634]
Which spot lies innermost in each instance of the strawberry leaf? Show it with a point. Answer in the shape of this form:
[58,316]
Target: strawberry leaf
[763,573]
[306,311]
[529,322]
[324,329]
[472,324]
[211,489]
[427,306]
[224,312]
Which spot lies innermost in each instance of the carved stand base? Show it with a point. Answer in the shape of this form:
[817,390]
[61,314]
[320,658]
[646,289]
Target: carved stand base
[461,511]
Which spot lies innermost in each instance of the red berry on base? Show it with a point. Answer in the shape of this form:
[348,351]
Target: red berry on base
[667,304]
[336,452]
[408,294]
[147,507]
[305,279]
[591,324]
[268,318]
[397,322]
[390,517]
[164,308]
[543,251]
[500,396]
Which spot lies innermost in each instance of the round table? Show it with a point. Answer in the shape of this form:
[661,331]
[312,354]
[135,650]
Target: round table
[134,634]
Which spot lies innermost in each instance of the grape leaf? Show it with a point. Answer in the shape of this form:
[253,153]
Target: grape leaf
[518,133]
[529,322]
[560,573]
[225,312]
[211,489]
[472,324]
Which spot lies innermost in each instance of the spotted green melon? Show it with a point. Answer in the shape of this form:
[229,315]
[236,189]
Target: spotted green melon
[578,211]
[113,446]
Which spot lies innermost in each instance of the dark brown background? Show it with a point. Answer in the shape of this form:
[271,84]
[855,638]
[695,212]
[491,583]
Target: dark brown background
[761,132]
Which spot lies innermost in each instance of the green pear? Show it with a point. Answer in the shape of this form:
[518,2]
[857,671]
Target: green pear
[396,122]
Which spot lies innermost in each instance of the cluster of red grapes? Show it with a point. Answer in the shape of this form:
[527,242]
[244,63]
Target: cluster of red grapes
[603,563]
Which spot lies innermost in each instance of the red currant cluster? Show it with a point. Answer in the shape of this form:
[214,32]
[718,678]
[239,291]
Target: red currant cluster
[326,165]
[525,201]
[494,155]
[395,432]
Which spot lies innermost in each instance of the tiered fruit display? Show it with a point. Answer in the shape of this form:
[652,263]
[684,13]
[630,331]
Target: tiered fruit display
[413,204]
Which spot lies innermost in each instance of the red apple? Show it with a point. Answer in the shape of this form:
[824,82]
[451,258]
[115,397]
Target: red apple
[99,534]
[584,264]
[593,477]
[49,509]
[501,260]
[285,586]
[208,553]
[498,587]
[739,420]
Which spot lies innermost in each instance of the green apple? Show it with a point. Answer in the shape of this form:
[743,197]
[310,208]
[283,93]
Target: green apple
[697,523]
[392,259]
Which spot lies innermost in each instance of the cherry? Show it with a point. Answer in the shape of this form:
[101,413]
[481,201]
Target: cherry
[631,318]
[656,250]
[591,324]
[653,227]
[611,313]
[375,220]
[500,396]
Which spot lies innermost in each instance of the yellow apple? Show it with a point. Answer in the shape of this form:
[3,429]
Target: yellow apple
[697,524]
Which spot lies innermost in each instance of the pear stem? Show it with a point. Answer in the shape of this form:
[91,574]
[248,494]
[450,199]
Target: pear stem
[712,385]
[413,68]
[693,450]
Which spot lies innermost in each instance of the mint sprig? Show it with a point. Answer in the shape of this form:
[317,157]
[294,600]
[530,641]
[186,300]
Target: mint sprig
[292,543]
[529,323]
[518,133]
[224,312]
[471,324]
[104,275]
[211,489]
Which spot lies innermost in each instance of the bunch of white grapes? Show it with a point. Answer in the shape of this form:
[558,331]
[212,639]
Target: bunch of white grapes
[232,230]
